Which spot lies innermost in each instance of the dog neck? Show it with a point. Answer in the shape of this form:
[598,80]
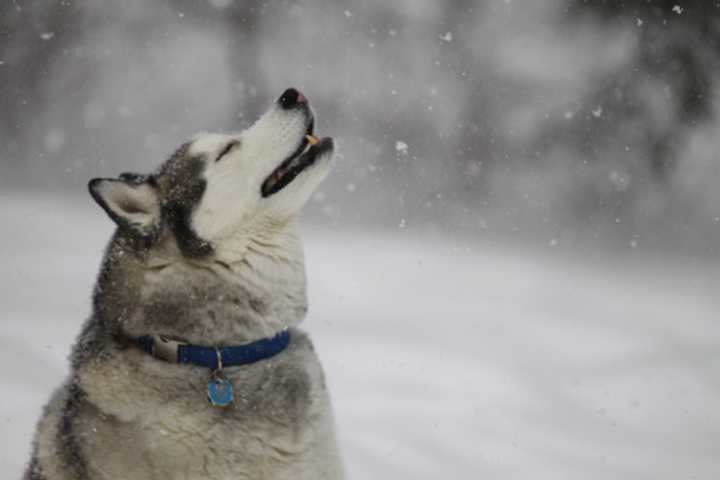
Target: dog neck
[250,289]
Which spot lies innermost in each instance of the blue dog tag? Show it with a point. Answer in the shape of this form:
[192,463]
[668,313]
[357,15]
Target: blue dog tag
[220,390]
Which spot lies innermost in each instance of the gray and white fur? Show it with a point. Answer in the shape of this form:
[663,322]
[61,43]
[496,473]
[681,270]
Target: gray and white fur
[206,251]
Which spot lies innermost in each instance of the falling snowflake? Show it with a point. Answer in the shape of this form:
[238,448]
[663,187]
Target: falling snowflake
[678,9]
[620,181]
[597,112]
[639,22]
[54,140]
[347,13]
[401,147]
[47,35]
[447,37]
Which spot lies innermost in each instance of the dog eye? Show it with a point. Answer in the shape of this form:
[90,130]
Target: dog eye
[232,144]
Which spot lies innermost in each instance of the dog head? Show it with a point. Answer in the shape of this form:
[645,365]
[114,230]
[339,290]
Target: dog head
[217,191]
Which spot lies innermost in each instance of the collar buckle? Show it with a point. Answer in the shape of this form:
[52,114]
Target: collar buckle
[166,348]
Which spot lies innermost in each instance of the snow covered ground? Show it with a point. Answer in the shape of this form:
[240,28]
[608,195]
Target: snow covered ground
[445,360]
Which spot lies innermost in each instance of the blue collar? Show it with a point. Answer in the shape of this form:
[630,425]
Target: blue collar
[214,358]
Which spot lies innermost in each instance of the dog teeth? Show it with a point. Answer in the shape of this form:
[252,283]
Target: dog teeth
[312,140]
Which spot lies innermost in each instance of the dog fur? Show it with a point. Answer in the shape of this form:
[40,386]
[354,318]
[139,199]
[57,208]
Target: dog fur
[203,255]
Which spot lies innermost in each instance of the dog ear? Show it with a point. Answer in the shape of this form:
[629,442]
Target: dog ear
[130,204]
[136,178]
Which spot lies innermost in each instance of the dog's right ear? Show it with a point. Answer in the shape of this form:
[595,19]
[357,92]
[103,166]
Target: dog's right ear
[130,204]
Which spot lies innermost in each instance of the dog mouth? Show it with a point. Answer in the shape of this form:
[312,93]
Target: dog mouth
[303,157]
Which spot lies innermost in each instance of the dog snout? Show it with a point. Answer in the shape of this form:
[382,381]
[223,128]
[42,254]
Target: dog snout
[291,98]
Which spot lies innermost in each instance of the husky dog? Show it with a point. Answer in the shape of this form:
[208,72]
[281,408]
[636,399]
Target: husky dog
[199,296]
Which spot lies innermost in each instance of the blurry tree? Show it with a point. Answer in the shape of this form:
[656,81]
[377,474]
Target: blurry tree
[27,45]
[624,140]
[480,115]
[677,50]
[78,79]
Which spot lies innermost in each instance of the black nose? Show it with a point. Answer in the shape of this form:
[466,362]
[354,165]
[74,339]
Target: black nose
[291,98]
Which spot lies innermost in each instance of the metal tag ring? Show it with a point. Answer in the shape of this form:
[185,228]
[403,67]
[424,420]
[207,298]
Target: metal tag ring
[218,354]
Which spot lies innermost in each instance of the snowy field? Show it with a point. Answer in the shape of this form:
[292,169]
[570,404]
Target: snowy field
[445,360]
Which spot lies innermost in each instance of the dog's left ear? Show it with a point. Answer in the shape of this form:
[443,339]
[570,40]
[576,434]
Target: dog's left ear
[135,178]
[131,204]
